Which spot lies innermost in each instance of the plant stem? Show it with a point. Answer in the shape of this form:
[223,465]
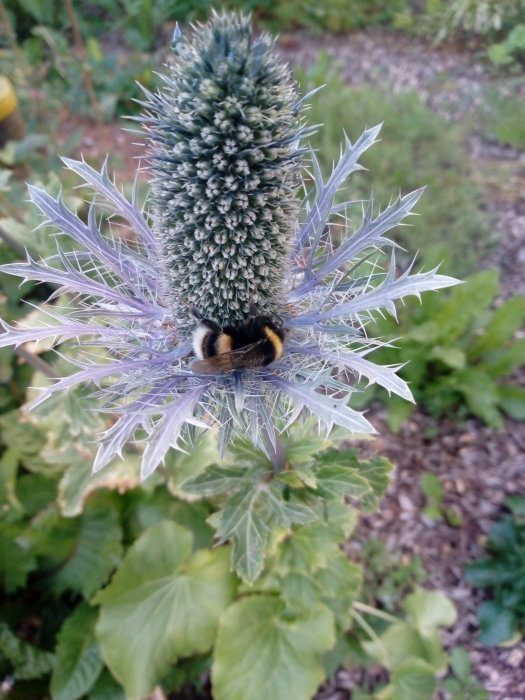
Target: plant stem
[373,611]
[275,449]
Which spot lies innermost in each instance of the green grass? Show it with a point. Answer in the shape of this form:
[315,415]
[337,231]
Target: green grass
[418,148]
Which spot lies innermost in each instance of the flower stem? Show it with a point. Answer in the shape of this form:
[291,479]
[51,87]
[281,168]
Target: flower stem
[275,449]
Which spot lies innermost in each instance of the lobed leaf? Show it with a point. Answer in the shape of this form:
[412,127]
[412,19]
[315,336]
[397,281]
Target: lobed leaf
[263,651]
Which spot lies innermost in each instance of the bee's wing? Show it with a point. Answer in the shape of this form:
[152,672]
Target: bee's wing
[244,358]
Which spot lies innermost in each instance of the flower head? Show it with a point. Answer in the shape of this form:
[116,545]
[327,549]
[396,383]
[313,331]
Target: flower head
[226,233]
[224,144]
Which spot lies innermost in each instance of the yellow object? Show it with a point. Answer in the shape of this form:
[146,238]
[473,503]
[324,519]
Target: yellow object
[275,341]
[7,98]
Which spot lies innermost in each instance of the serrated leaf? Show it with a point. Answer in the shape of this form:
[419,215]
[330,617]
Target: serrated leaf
[217,480]
[286,512]
[21,433]
[263,651]
[79,661]
[97,549]
[342,518]
[377,472]
[250,539]
[27,660]
[338,481]
[162,604]
[181,466]
[8,473]
[79,482]
[16,562]
[340,582]
[308,548]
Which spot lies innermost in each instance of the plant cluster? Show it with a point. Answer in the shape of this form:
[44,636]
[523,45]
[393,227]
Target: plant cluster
[458,350]
[173,609]
[502,572]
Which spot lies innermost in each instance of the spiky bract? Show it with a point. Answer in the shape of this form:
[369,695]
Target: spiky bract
[223,136]
[331,285]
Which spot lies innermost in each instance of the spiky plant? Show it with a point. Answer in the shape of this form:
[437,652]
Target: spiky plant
[224,136]
[224,142]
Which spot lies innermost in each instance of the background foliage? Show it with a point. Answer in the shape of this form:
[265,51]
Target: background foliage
[79,554]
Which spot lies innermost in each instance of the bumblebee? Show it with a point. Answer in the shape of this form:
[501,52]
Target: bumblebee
[256,342]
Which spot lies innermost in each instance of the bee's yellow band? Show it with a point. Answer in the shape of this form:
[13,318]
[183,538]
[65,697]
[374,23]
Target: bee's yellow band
[224,343]
[275,341]
[7,98]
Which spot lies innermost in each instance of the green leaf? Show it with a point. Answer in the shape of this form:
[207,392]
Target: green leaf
[503,324]
[340,582]
[8,473]
[431,486]
[21,433]
[300,591]
[308,548]
[218,480]
[498,625]
[181,467]
[399,411]
[286,513]
[250,539]
[35,492]
[96,551]
[512,400]
[460,663]
[414,679]
[242,522]
[451,356]
[264,651]
[79,661]
[27,660]
[481,395]
[429,609]
[377,472]
[78,482]
[162,604]
[501,363]
[402,642]
[336,481]
[106,688]
[16,563]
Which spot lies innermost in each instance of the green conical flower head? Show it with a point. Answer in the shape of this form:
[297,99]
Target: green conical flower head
[224,143]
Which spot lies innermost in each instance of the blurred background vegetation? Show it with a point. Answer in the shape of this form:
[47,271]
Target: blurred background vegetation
[75,68]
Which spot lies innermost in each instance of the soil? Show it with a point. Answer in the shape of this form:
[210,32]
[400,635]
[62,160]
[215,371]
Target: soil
[478,466]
